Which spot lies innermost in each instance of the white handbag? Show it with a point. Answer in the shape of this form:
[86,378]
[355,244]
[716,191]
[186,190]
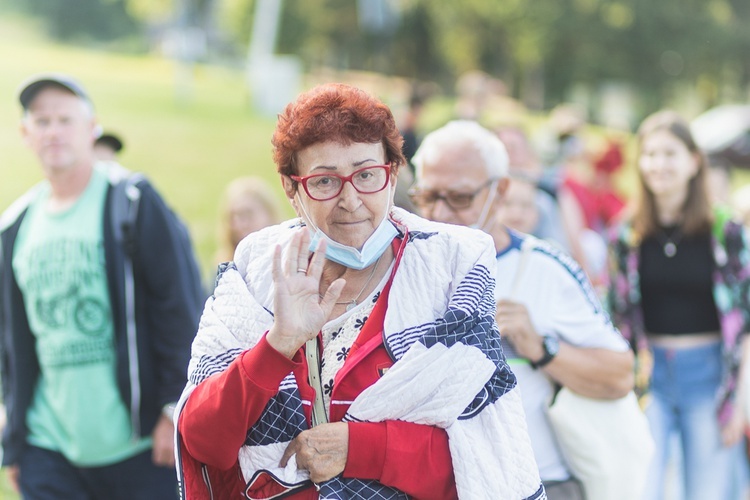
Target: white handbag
[606,443]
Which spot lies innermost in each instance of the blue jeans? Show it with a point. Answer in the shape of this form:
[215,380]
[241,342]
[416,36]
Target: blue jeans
[47,475]
[683,391]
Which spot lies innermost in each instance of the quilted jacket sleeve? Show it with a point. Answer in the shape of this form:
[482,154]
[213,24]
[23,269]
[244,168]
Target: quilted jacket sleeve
[224,406]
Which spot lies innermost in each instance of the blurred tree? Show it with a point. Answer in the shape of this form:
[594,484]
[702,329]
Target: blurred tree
[541,49]
[552,45]
[420,55]
[149,10]
[70,19]
[656,46]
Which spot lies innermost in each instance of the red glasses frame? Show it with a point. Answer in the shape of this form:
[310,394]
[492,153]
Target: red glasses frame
[344,179]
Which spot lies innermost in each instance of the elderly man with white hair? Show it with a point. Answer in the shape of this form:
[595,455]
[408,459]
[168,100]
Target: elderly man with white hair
[554,330]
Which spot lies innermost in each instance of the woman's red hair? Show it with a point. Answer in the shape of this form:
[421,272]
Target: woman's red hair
[334,112]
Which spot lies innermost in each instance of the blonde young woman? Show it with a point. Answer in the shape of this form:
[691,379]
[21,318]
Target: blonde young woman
[680,277]
[248,205]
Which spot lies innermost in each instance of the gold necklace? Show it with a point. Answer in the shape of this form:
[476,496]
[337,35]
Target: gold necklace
[351,304]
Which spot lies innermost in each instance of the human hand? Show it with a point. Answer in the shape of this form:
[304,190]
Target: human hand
[514,323]
[732,431]
[321,450]
[163,438]
[13,474]
[300,312]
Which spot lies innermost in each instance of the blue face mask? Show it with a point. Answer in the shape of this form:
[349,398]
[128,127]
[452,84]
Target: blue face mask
[350,257]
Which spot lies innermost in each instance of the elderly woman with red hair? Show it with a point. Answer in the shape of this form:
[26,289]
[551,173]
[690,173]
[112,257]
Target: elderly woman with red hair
[352,352]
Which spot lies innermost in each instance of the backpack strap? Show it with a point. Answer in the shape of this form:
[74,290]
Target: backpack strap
[124,213]
[126,196]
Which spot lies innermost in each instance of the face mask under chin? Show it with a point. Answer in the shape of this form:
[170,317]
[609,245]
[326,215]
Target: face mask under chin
[348,256]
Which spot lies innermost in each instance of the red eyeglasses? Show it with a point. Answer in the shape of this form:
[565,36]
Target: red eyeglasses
[368,180]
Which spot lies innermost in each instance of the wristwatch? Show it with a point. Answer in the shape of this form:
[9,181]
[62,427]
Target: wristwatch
[551,346]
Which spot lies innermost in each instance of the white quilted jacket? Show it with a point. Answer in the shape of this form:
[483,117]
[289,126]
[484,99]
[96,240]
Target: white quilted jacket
[439,326]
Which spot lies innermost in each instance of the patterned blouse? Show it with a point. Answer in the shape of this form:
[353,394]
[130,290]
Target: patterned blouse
[731,291]
[338,336]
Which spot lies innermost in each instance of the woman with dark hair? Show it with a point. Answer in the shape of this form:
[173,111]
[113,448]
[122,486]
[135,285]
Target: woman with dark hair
[352,352]
[680,292]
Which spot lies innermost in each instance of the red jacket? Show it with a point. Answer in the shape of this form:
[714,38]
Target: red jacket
[213,425]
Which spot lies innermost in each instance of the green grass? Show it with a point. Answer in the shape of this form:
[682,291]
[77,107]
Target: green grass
[6,492]
[740,178]
[190,147]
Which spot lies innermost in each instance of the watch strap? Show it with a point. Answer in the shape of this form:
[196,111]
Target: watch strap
[548,356]
[542,362]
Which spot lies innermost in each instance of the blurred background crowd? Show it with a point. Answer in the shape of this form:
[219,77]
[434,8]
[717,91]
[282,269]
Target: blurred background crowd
[187,91]
[193,86]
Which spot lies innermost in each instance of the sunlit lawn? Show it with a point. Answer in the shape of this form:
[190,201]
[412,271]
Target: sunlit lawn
[6,492]
[189,147]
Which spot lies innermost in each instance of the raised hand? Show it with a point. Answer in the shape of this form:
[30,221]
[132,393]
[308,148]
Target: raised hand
[733,430]
[299,310]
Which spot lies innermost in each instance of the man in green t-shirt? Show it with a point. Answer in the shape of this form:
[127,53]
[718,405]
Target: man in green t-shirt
[95,337]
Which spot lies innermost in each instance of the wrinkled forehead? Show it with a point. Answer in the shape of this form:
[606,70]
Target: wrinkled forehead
[339,157]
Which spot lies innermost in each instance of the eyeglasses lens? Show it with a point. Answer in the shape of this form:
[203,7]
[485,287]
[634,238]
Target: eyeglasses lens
[366,181]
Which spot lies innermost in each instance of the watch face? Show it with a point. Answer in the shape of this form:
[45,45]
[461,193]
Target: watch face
[551,345]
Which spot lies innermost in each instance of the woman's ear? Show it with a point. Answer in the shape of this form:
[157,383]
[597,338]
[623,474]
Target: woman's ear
[290,192]
[288,185]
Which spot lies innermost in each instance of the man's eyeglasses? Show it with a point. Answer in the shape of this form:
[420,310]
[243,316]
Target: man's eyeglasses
[455,200]
[368,180]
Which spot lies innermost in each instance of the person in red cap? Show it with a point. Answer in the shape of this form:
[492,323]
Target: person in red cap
[599,201]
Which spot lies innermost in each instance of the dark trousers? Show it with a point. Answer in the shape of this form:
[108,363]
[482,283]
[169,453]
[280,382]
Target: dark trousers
[47,475]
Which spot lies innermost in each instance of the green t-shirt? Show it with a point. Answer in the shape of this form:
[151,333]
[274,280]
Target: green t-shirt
[59,264]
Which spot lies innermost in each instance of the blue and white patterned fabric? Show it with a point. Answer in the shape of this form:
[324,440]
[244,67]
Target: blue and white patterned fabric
[450,371]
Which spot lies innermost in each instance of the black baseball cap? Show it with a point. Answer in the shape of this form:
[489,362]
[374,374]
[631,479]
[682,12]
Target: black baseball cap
[31,87]
[111,140]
